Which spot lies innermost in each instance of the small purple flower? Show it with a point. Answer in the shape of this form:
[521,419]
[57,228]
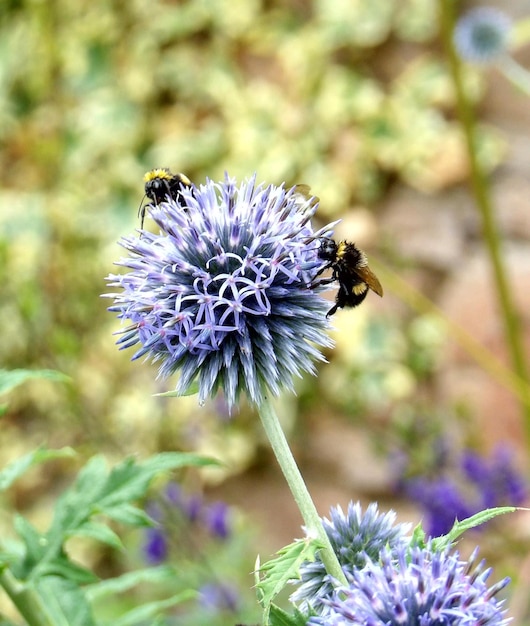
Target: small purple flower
[219,597]
[355,538]
[497,480]
[464,487]
[216,520]
[482,34]
[442,501]
[223,294]
[416,587]
[156,546]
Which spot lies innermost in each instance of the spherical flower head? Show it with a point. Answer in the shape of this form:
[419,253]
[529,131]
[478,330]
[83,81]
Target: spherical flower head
[223,293]
[417,587]
[355,538]
[481,35]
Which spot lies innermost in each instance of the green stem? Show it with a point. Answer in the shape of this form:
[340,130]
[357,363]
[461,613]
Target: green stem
[25,599]
[481,192]
[298,488]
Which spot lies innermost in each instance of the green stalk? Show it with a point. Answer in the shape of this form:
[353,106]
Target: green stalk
[25,599]
[481,192]
[298,488]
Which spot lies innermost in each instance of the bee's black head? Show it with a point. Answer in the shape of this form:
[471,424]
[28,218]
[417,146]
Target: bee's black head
[328,249]
[157,189]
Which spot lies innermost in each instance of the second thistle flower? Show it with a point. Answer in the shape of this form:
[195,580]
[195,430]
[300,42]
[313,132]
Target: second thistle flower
[222,294]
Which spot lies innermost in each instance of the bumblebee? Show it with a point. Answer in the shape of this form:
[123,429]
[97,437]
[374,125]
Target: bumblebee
[350,270]
[161,183]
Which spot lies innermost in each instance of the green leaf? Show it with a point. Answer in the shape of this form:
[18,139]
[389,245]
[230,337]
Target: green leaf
[16,469]
[440,543]
[129,480]
[64,602]
[9,379]
[35,544]
[193,389]
[276,573]
[96,490]
[63,567]
[128,514]
[418,537]
[279,617]
[150,610]
[100,532]
[125,582]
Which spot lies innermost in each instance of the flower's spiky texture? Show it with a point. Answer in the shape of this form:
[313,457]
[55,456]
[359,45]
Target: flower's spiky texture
[482,35]
[417,587]
[222,294]
[355,538]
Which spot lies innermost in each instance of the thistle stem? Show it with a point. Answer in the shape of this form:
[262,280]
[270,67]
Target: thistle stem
[25,599]
[298,488]
[481,192]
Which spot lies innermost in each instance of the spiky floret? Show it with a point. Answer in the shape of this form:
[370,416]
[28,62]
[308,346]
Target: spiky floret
[417,587]
[355,538]
[222,294]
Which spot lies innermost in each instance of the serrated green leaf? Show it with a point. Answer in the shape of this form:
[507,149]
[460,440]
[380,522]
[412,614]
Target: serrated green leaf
[418,537]
[34,543]
[16,469]
[9,379]
[459,528]
[276,573]
[63,567]
[100,532]
[125,582]
[279,617]
[152,609]
[64,602]
[129,480]
[128,514]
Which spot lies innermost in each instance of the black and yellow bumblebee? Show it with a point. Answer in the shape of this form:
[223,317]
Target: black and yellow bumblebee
[350,269]
[160,184]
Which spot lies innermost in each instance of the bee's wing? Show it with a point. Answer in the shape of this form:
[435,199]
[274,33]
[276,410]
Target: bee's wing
[366,274]
[303,197]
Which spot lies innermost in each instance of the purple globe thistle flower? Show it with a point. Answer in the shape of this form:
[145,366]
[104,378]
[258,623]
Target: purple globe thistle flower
[355,538]
[481,35]
[223,294]
[417,587]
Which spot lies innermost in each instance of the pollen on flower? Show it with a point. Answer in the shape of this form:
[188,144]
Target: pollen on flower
[223,295]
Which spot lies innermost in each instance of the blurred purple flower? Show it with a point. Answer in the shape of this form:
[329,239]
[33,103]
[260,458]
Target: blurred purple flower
[468,486]
[177,508]
[481,35]
[155,546]
[216,519]
[219,597]
[442,502]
